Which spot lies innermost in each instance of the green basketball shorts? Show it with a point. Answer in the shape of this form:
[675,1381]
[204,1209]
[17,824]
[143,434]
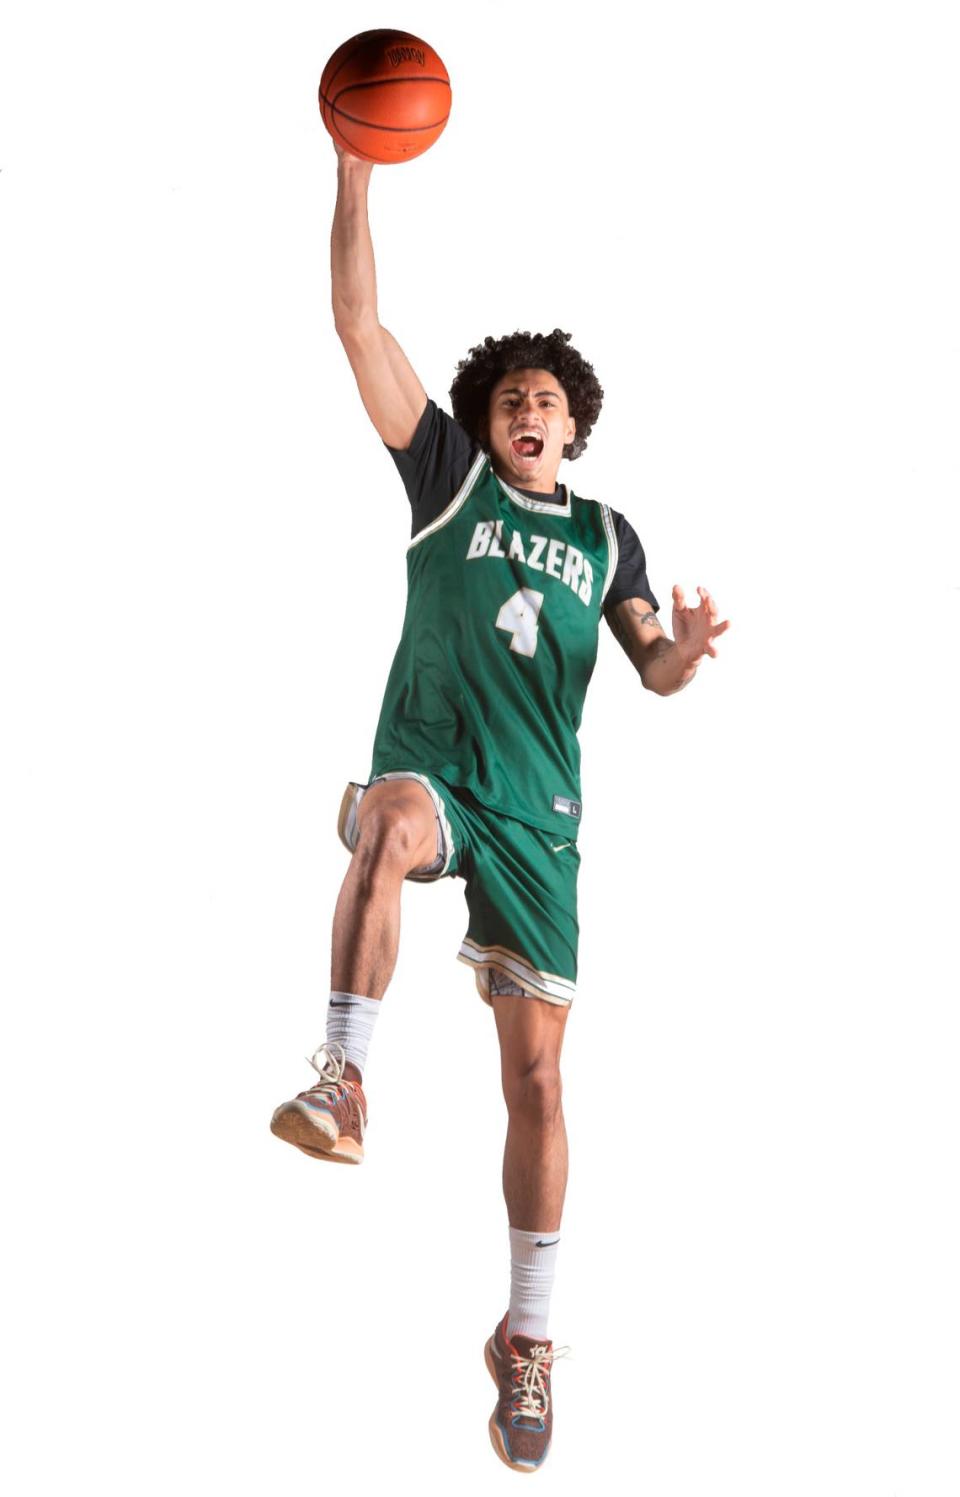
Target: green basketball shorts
[521,890]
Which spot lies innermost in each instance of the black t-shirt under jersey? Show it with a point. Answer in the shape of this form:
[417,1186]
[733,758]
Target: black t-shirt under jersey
[438,460]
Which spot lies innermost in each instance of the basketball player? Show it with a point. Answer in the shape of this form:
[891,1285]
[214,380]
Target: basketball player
[475,770]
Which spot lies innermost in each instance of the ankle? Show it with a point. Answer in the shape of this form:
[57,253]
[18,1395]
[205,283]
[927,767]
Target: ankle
[350,1023]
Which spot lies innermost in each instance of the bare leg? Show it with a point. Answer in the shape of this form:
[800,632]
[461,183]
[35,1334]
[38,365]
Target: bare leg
[397,832]
[535,1157]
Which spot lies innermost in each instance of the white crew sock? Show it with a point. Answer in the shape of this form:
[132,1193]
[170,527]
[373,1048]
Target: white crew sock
[350,1021]
[533,1258]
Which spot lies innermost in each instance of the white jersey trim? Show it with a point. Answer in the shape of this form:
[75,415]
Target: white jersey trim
[539,984]
[614,549]
[539,508]
[456,503]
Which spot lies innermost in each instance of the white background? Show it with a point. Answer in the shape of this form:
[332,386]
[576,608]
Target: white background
[746,215]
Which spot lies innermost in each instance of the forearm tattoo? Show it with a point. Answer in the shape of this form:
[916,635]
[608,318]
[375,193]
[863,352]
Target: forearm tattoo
[635,606]
[637,614]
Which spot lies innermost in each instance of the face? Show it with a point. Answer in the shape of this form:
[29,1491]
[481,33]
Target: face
[530,401]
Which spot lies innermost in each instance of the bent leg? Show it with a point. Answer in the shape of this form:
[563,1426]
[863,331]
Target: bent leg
[397,832]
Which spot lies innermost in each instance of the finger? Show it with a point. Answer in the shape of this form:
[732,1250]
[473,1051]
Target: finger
[678,596]
[720,628]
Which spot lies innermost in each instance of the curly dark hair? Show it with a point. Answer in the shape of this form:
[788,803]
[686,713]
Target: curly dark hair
[486,363]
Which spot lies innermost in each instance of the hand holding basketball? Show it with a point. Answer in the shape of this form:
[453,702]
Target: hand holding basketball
[343,155]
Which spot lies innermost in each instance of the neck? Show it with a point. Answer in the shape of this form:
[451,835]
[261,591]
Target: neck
[542,485]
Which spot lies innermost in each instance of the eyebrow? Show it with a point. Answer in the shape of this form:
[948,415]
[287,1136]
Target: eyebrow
[515,390]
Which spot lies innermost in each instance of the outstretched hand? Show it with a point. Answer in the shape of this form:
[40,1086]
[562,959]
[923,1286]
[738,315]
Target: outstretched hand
[695,629]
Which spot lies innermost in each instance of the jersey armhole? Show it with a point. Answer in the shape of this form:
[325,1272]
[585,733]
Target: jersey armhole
[456,503]
[613,551]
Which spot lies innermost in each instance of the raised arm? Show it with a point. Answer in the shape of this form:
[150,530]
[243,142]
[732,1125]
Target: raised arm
[393,396]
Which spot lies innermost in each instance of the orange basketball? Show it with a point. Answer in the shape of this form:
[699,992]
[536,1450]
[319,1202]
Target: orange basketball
[385,96]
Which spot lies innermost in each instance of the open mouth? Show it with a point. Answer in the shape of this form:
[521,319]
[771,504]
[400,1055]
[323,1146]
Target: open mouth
[527,447]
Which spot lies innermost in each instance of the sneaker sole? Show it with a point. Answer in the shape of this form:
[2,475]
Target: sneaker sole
[496,1435]
[295,1128]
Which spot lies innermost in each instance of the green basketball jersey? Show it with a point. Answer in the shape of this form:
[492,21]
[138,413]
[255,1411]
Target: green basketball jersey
[499,643]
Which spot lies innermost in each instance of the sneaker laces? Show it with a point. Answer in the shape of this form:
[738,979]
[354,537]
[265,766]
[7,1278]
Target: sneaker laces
[532,1401]
[331,1081]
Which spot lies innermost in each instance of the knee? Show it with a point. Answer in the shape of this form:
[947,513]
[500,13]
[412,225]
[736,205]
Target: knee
[389,844]
[534,1090]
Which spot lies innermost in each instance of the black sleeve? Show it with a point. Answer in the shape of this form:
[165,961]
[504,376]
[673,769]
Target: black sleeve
[434,465]
[630,578]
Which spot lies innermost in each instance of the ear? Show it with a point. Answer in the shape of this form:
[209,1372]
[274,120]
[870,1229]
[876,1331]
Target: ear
[571,430]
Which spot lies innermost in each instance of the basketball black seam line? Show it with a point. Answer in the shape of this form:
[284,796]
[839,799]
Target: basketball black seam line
[397,129]
[332,125]
[351,145]
[383,83]
[343,62]
[363,40]
[334,107]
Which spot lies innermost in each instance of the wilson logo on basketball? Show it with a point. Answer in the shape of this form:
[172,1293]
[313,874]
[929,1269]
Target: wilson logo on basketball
[397,55]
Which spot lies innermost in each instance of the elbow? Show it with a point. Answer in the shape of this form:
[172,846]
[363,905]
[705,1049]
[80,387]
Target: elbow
[652,678]
[354,327]
[642,664]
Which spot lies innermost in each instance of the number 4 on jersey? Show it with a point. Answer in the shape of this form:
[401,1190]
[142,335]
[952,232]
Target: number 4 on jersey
[519,616]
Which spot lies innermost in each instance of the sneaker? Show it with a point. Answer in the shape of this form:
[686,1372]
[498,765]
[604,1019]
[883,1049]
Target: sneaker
[328,1120]
[522,1422]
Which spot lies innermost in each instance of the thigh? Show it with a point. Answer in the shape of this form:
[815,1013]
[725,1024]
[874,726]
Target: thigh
[530,1031]
[522,896]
